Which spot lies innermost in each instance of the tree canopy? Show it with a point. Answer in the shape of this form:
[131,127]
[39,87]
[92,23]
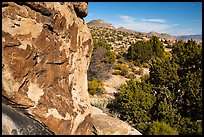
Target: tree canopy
[172,95]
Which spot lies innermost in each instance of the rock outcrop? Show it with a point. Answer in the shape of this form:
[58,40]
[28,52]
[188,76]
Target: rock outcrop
[81,9]
[46,50]
[107,125]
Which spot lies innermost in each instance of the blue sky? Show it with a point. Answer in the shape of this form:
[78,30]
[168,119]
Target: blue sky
[175,18]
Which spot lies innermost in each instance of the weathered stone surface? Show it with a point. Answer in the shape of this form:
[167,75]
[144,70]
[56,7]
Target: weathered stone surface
[81,9]
[46,51]
[107,125]
[16,122]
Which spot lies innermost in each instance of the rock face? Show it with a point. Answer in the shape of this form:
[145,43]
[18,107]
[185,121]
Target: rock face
[15,122]
[46,50]
[81,8]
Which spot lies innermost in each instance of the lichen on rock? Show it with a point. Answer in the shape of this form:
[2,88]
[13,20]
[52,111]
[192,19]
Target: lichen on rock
[46,50]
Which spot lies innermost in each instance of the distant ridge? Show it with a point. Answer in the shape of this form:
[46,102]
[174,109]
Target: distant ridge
[100,23]
[130,31]
[160,35]
[197,38]
[103,24]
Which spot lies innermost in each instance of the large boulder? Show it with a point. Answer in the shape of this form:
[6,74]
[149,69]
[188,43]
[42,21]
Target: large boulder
[46,50]
[107,125]
[15,121]
[81,8]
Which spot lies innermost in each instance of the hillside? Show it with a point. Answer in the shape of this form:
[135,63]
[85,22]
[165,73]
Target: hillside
[122,29]
[121,38]
[115,74]
[136,76]
[160,35]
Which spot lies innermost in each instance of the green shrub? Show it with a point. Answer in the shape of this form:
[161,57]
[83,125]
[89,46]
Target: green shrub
[118,56]
[123,69]
[116,72]
[139,52]
[121,60]
[146,76]
[131,64]
[172,94]
[96,87]
[102,43]
[117,66]
[133,102]
[157,47]
[134,69]
[145,65]
[188,127]
[161,128]
[100,104]
[120,66]
[169,46]
[142,51]
[110,57]
[130,76]
[140,71]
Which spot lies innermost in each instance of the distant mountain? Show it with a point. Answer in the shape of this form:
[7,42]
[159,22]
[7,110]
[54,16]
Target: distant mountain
[160,35]
[198,38]
[100,23]
[130,31]
[125,30]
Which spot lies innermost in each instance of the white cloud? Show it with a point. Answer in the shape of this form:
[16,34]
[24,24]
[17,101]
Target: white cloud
[174,25]
[127,19]
[154,20]
[185,31]
[144,25]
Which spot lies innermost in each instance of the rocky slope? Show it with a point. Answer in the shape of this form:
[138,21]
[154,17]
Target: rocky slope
[46,50]
[117,39]
[121,38]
